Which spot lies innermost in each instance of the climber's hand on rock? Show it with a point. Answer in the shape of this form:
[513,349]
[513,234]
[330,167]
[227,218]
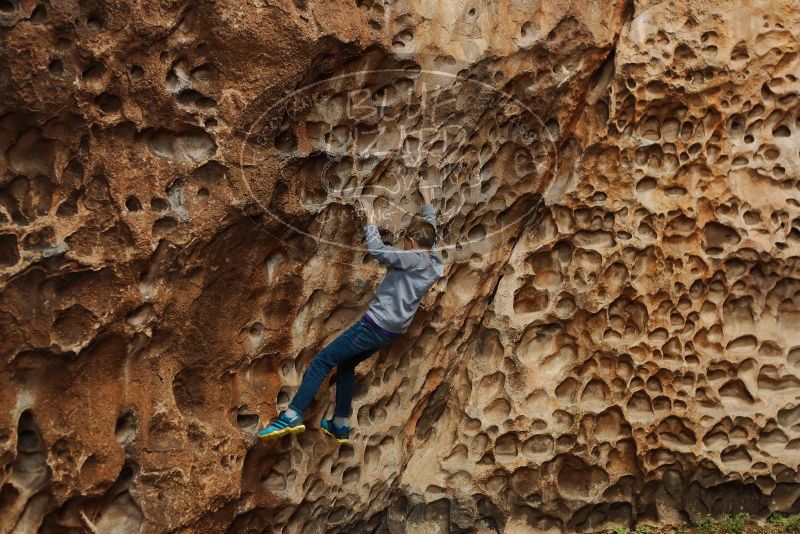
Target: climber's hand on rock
[369,211]
[425,189]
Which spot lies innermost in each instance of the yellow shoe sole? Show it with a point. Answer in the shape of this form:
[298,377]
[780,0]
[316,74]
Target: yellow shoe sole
[280,433]
[345,440]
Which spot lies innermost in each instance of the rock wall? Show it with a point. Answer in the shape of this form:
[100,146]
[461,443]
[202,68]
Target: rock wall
[616,339]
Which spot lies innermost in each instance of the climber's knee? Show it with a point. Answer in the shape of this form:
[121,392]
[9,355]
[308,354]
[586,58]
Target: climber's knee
[323,363]
[342,370]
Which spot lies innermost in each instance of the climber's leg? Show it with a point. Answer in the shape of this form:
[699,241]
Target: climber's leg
[346,382]
[345,385]
[357,339]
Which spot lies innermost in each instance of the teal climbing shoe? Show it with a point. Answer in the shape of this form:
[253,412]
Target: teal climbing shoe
[281,426]
[341,433]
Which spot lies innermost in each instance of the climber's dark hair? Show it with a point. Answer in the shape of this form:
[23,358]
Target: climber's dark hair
[421,231]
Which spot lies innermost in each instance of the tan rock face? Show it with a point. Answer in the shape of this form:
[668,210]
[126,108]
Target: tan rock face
[617,336]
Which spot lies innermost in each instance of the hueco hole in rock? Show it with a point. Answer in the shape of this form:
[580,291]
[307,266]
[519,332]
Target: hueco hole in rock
[222,312]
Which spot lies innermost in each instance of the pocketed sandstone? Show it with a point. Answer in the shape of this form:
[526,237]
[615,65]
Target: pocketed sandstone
[171,258]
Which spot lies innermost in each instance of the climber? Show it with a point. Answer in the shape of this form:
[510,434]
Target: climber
[412,270]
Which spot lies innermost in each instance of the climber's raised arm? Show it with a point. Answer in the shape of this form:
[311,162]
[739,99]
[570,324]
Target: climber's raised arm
[427,210]
[396,257]
[429,214]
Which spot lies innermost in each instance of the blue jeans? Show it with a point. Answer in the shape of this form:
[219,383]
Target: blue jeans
[352,347]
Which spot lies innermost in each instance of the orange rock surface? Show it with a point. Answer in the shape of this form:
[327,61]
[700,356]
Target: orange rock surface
[617,336]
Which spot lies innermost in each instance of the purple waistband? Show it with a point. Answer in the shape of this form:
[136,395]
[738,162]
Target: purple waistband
[371,321]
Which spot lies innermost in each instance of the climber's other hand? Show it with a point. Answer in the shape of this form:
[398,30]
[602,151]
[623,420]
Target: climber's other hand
[425,189]
[369,210]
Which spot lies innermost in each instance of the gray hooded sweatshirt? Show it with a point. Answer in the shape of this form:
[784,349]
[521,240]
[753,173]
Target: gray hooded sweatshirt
[411,273]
